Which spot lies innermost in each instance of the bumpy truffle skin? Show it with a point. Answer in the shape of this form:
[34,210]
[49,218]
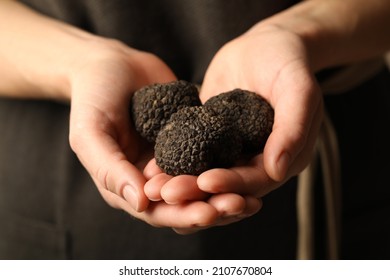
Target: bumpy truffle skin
[195,140]
[153,105]
[252,115]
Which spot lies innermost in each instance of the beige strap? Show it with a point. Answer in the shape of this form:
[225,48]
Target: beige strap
[327,154]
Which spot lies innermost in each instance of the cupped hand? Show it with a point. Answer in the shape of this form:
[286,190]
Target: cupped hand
[101,132]
[273,63]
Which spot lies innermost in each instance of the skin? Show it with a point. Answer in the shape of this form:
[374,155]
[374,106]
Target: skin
[43,58]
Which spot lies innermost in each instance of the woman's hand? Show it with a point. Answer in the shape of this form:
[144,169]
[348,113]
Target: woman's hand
[273,63]
[101,132]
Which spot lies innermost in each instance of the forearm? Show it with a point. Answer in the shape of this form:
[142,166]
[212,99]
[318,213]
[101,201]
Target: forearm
[36,53]
[337,32]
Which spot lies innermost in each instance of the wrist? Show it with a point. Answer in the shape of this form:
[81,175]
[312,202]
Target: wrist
[311,33]
[52,79]
[37,53]
[336,32]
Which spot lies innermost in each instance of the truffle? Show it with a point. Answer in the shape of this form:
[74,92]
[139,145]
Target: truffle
[153,105]
[190,138]
[251,115]
[195,140]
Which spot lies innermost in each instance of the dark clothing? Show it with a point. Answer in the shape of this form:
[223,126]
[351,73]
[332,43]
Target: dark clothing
[50,208]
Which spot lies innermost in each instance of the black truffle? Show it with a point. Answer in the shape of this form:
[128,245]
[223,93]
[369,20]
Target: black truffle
[190,138]
[153,105]
[252,115]
[195,140]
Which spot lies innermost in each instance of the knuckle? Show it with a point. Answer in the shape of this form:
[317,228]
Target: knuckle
[102,177]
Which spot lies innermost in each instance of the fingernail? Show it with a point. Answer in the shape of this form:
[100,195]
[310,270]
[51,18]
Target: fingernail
[282,165]
[130,193]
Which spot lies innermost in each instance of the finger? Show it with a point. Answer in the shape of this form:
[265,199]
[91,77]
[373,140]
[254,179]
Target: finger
[252,206]
[109,167]
[294,114]
[182,188]
[228,204]
[231,209]
[151,169]
[306,155]
[116,201]
[187,218]
[285,147]
[190,216]
[153,187]
[234,205]
[250,179]
[186,215]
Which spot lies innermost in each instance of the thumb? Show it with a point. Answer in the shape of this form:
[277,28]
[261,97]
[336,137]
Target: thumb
[298,115]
